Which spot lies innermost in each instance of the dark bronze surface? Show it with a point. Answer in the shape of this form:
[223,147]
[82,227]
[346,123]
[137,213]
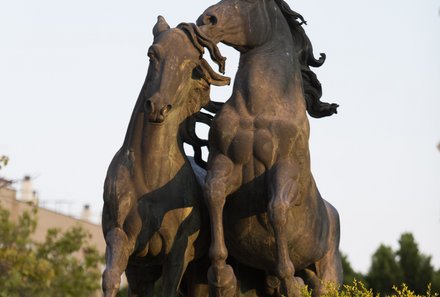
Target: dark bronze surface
[152,219]
[264,206]
[271,231]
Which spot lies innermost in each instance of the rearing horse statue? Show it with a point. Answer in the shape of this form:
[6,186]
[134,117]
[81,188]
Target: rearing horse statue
[153,214]
[264,206]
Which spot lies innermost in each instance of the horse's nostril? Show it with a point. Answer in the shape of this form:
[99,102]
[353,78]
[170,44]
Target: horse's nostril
[212,19]
[149,106]
[165,109]
[207,19]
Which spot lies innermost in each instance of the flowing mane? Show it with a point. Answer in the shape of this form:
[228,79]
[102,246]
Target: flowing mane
[188,129]
[311,85]
[200,41]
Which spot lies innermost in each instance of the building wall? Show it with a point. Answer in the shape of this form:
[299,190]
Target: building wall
[48,219]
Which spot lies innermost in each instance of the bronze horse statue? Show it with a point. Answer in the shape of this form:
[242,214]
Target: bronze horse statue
[194,282]
[264,205]
[152,217]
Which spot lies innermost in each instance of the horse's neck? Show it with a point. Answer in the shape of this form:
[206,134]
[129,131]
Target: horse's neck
[275,55]
[158,153]
[270,70]
[162,143]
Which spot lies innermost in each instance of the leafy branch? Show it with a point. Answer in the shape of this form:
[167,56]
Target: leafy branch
[3,161]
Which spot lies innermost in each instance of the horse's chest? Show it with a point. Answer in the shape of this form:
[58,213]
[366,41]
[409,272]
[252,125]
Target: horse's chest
[163,171]
[258,139]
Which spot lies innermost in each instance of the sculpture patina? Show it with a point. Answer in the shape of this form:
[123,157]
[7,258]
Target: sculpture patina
[264,206]
[152,219]
[271,231]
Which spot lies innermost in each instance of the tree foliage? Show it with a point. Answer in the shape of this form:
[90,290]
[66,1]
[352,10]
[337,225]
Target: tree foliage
[417,269]
[391,268]
[385,271]
[349,274]
[3,161]
[63,265]
[436,281]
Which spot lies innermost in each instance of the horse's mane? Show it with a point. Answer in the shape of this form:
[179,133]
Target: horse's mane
[200,41]
[311,85]
[188,131]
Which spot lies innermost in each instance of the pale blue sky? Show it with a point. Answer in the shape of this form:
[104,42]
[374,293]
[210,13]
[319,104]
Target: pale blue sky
[70,72]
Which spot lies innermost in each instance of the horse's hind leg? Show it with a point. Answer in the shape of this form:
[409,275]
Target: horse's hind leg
[222,179]
[194,282]
[175,266]
[283,190]
[319,276]
[329,268]
[141,279]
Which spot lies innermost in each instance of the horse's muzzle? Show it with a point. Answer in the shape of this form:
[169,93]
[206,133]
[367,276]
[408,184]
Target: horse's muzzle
[156,115]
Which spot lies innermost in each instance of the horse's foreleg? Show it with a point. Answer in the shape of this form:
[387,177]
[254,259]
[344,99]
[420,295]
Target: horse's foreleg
[219,183]
[120,245]
[116,254]
[283,190]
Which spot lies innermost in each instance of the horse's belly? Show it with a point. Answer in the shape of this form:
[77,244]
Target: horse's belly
[164,232]
[251,241]
[179,226]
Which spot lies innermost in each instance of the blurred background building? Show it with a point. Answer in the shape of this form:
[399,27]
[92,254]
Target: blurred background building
[17,202]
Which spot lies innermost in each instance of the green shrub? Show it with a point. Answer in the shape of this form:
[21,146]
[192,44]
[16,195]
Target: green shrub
[46,269]
[358,289]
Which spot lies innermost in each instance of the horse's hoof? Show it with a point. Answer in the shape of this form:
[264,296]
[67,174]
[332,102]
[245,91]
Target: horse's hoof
[272,285]
[110,283]
[111,292]
[293,287]
[299,282]
[222,281]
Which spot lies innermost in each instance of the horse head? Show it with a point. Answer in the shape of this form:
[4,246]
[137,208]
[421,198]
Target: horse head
[246,24]
[242,24]
[178,79]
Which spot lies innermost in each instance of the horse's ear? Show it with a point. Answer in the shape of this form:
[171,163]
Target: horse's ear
[213,77]
[160,26]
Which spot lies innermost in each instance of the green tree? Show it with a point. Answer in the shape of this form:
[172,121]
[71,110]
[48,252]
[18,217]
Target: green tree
[384,272]
[436,282]
[63,265]
[349,274]
[416,267]
[3,161]
[22,273]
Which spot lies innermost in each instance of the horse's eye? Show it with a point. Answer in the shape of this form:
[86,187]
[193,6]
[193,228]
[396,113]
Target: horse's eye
[198,73]
[152,55]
